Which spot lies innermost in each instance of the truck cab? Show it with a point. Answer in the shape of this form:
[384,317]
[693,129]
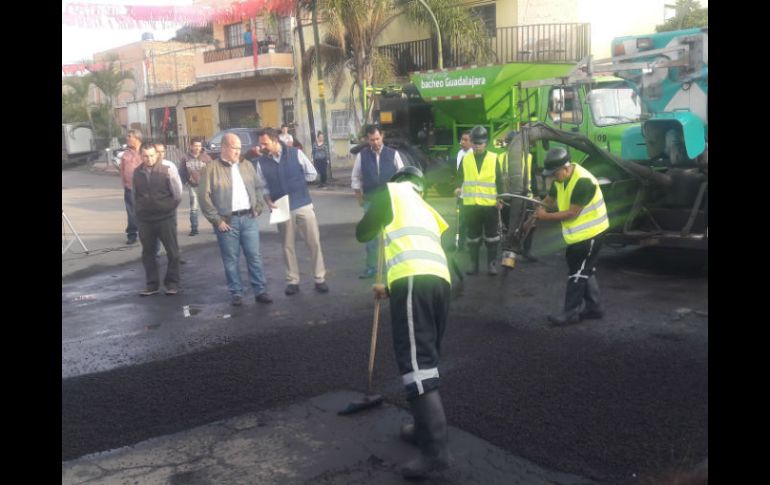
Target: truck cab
[601,110]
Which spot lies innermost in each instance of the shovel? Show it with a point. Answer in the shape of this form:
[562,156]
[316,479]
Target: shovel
[370,400]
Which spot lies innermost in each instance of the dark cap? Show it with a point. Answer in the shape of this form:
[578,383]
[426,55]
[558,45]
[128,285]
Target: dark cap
[555,159]
[479,135]
[410,174]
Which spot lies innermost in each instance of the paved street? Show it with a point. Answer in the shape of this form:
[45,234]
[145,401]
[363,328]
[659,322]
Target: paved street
[247,395]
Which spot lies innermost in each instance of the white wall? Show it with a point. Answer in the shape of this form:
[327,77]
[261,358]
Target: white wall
[615,18]
[137,113]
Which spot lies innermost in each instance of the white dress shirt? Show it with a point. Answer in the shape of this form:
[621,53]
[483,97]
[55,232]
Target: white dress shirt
[240,196]
[460,155]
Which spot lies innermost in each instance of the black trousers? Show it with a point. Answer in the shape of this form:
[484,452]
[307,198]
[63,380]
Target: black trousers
[419,306]
[149,234]
[581,260]
[320,167]
[481,220]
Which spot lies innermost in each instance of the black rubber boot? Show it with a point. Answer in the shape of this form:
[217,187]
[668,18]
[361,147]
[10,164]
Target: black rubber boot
[573,301]
[593,308]
[431,437]
[408,433]
[473,253]
[492,258]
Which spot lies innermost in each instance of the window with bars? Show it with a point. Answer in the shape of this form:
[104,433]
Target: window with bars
[340,124]
[288,111]
[487,13]
[233,35]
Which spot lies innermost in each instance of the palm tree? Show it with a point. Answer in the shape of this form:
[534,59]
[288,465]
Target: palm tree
[110,80]
[354,28]
[461,30]
[349,45]
[77,96]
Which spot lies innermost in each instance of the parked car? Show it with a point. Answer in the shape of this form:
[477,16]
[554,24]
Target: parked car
[249,142]
[116,154]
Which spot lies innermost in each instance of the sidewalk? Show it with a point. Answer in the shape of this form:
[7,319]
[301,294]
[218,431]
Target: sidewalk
[102,228]
[341,174]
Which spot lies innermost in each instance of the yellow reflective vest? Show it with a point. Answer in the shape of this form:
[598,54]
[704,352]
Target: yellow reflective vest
[526,169]
[479,187]
[592,220]
[413,238]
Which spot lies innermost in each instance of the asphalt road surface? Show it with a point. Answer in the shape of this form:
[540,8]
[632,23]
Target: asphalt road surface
[613,399]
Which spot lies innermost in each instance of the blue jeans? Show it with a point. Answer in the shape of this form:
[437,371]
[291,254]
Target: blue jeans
[132,229]
[244,232]
[194,208]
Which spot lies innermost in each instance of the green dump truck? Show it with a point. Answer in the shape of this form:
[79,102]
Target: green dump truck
[656,191]
[437,106]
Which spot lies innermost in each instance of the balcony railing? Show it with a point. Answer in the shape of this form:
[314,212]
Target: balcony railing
[241,51]
[559,43]
[411,56]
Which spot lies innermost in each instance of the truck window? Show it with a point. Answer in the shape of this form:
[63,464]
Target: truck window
[564,106]
[614,106]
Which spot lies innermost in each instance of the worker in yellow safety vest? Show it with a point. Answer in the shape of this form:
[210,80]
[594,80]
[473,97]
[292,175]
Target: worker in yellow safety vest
[479,181]
[418,284]
[579,206]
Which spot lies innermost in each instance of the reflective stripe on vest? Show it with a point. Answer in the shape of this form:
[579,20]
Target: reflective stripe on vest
[413,238]
[479,188]
[592,219]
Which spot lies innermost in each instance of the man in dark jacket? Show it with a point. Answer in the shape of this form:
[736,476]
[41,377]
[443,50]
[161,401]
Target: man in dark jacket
[157,193]
[287,171]
[373,168]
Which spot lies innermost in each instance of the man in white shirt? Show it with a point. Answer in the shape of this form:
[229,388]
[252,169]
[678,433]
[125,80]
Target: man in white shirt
[373,168]
[465,147]
[285,136]
[286,172]
[230,196]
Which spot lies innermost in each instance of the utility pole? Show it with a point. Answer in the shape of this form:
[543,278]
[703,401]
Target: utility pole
[305,84]
[316,37]
[438,34]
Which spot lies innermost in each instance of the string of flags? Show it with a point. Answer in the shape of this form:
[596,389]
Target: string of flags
[95,15]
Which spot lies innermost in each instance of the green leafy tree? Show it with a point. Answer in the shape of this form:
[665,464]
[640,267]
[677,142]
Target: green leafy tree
[109,81]
[75,99]
[193,34]
[350,46]
[689,14]
[101,114]
[461,29]
[354,28]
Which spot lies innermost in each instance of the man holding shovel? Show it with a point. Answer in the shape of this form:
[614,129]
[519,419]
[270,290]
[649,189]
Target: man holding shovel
[418,284]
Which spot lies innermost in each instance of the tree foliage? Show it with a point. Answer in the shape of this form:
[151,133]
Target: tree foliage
[354,29]
[689,14]
[193,34]
[109,81]
[74,99]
